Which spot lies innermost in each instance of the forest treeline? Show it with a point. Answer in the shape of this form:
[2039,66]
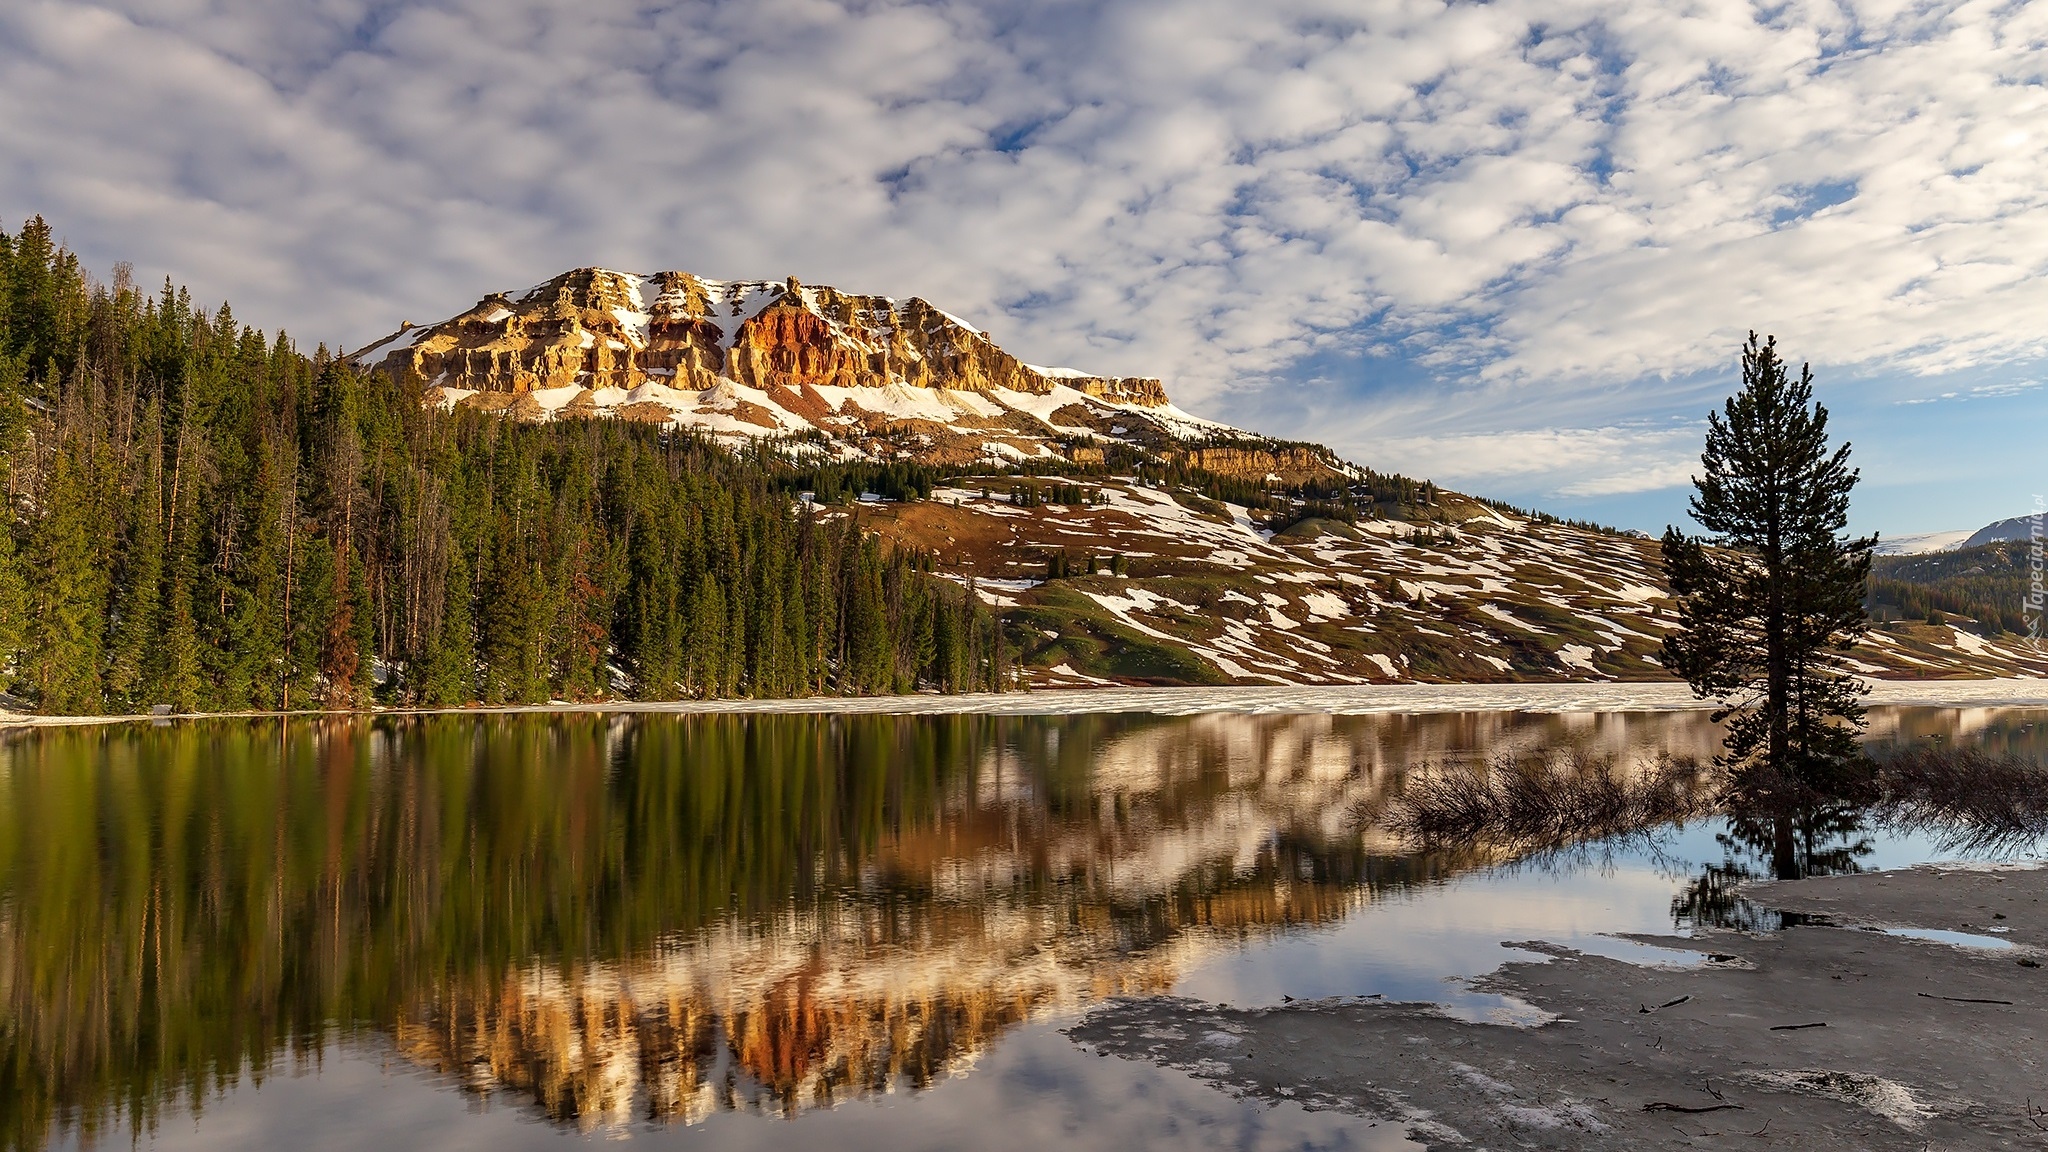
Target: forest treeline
[202,516]
[1990,584]
[195,903]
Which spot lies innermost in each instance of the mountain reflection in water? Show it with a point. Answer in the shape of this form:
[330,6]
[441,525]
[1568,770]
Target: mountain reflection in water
[658,917]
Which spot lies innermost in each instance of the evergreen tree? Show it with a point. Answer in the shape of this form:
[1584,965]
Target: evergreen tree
[363,619]
[1772,596]
[866,665]
[66,611]
[508,621]
[312,607]
[447,676]
[13,599]
[207,518]
[705,672]
[340,659]
[137,631]
[263,593]
[179,680]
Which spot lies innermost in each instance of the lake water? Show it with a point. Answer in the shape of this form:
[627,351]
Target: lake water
[739,932]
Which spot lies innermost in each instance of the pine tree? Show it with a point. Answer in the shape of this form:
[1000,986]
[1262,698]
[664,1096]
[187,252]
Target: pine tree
[179,679]
[363,617]
[264,594]
[732,676]
[705,672]
[509,621]
[1772,597]
[207,518]
[340,659]
[137,632]
[14,596]
[311,588]
[865,668]
[66,609]
[13,599]
[448,676]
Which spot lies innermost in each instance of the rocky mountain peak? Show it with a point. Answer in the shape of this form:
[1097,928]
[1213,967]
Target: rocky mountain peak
[882,377]
[598,328]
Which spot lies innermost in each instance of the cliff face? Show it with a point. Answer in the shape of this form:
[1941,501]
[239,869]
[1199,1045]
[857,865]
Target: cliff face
[596,329]
[1293,463]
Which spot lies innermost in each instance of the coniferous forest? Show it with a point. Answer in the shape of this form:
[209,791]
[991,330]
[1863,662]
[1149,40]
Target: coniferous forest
[1990,584]
[205,517]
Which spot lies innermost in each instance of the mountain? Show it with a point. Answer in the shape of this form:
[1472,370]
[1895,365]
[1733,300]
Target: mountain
[1990,583]
[1125,540]
[867,376]
[228,523]
[1921,543]
[2016,528]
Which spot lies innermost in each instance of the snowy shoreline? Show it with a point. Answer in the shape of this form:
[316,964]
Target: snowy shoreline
[1345,700]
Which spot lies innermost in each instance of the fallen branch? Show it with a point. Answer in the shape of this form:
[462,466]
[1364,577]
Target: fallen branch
[1666,1106]
[1797,1027]
[1664,1005]
[1965,999]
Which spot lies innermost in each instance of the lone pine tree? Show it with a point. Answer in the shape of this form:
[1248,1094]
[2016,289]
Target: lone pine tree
[1771,598]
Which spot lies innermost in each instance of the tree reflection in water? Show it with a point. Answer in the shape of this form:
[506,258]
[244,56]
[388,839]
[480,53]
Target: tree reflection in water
[1763,844]
[626,919]
[1971,781]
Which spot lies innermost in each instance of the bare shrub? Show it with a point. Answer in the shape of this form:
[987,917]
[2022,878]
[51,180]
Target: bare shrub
[1967,798]
[1536,803]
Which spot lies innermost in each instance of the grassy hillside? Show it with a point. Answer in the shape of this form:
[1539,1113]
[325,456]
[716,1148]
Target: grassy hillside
[1136,579]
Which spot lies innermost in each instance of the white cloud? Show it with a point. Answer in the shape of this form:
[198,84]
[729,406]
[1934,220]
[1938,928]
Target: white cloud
[1567,462]
[1569,207]
[1999,391]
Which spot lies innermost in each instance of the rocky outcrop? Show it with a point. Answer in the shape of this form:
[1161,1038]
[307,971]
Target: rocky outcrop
[1294,464]
[596,329]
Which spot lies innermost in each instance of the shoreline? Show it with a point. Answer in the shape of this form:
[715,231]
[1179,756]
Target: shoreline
[1340,700]
[1910,1016]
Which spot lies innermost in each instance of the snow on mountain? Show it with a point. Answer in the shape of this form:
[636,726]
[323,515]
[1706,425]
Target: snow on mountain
[1922,543]
[1145,584]
[1143,580]
[877,377]
[2017,528]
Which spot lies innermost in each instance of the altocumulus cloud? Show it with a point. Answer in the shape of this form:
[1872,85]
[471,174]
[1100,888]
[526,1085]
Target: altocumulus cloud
[1548,217]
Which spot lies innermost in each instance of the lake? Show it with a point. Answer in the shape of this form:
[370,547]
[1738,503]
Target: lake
[740,932]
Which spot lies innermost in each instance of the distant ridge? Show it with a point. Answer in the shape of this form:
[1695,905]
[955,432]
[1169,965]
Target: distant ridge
[2016,528]
[1922,543]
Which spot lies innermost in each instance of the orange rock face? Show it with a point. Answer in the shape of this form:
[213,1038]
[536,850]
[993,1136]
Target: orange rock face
[1289,463]
[789,346]
[598,329]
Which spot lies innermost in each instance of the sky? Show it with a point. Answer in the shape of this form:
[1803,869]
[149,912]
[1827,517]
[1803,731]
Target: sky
[1514,246]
